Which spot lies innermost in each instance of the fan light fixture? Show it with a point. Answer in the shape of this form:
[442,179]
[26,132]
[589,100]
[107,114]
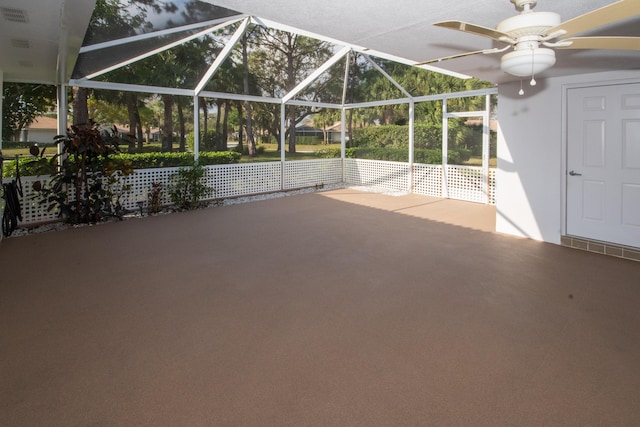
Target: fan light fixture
[528,62]
[534,36]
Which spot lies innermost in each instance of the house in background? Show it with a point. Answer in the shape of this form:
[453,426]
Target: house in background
[42,130]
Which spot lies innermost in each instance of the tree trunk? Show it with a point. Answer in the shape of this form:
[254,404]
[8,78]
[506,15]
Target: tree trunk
[205,119]
[167,134]
[224,146]
[139,133]
[132,110]
[251,142]
[80,107]
[217,141]
[350,128]
[292,128]
[183,131]
[240,147]
[291,82]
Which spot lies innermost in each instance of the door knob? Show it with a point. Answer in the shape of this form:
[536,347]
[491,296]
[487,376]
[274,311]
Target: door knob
[574,173]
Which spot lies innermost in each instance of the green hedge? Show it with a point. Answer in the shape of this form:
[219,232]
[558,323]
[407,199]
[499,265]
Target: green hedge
[31,166]
[425,136]
[425,156]
[167,160]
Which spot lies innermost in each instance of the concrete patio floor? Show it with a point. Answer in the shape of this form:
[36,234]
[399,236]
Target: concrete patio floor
[339,308]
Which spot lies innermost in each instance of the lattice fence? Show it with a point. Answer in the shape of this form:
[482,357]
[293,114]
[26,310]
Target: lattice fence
[427,180]
[492,186]
[244,179]
[391,176]
[307,173]
[466,183]
[140,183]
[32,210]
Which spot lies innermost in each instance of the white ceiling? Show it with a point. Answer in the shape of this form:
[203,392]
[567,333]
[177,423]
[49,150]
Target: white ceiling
[44,48]
[55,28]
[404,28]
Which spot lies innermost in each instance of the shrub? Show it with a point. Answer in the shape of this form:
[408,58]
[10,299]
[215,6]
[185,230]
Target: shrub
[187,188]
[94,181]
[30,166]
[44,166]
[425,156]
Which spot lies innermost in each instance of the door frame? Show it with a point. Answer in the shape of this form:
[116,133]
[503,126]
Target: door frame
[565,138]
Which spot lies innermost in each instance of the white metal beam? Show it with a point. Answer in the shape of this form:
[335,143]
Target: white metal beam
[125,87]
[324,67]
[384,73]
[196,128]
[283,139]
[345,84]
[378,103]
[486,145]
[222,56]
[225,21]
[445,150]
[463,114]
[313,104]
[240,97]
[155,51]
[462,94]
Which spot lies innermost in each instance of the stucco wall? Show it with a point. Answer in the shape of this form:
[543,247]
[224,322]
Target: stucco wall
[531,155]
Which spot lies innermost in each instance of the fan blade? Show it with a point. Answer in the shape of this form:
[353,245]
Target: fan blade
[478,30]
[446,58]
[620,43]
[462,55]
[596,18]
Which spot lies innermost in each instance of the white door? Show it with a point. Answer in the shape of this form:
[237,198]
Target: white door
[603,163]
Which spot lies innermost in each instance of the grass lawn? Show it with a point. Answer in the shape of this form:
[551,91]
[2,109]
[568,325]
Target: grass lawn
[477,161]
[303,152]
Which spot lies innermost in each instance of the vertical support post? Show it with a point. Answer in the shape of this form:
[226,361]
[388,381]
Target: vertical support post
[411,143]
[196,127]
[283,141]
[445,147]
[343,140]
[1,98]
[62,106]
[486,131]
[1,159]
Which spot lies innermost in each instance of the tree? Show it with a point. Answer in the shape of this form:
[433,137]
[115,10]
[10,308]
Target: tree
[251,142]
[281,60]
[23,103]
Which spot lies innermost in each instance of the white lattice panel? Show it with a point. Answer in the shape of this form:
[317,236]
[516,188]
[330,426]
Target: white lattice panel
[32,210]
[392,176]
[140,186]
[306,173]
[243,179]
[492,186]
[427,180]
[466,183]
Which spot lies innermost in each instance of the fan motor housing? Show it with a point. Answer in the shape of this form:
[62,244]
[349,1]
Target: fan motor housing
[529,24]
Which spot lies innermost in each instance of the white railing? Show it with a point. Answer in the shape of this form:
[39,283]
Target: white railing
[308,173]
[383,175]
[427,180]
[463,182]
[466,183]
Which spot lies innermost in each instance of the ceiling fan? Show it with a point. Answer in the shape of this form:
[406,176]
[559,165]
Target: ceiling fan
[533,36]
